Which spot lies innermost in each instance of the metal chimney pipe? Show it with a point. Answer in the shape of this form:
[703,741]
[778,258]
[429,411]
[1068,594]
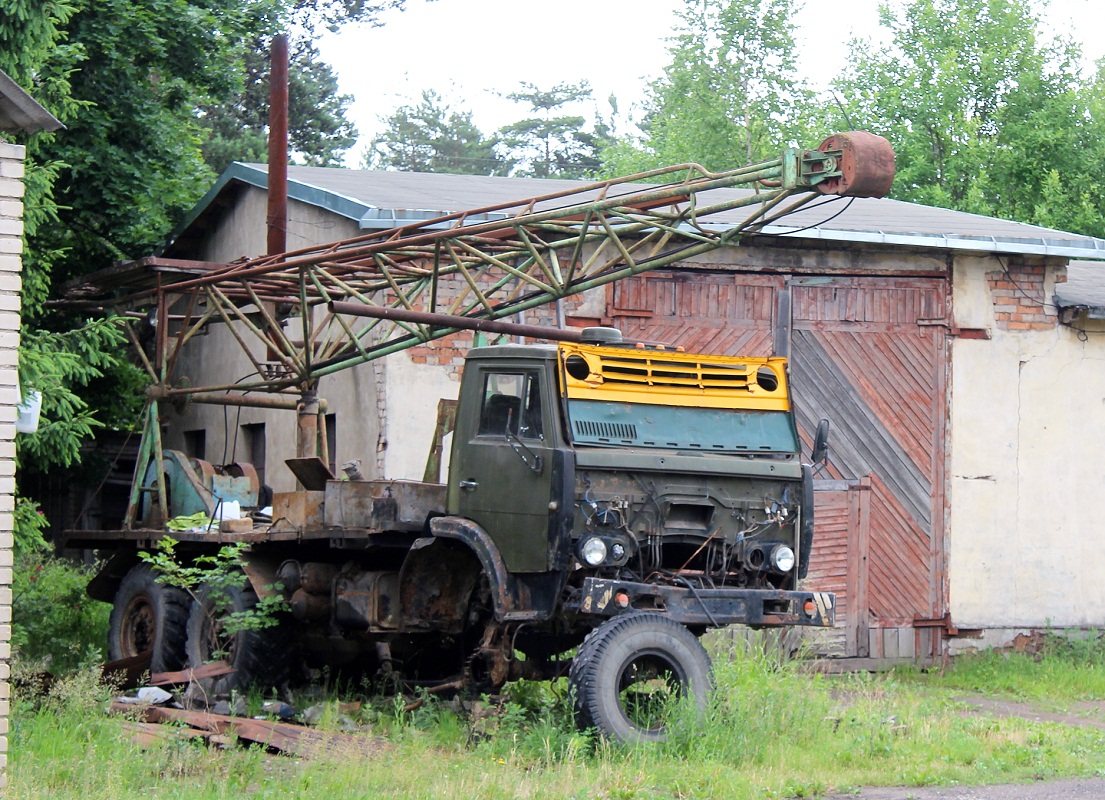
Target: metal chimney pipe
[278,147]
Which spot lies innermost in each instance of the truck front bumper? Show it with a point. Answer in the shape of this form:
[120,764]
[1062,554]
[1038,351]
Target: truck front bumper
[714,607]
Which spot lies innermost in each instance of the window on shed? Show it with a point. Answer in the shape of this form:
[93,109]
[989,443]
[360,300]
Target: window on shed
[195,444]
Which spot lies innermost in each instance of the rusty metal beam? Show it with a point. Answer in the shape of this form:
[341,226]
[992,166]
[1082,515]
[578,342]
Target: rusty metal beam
[453,323]
[278,147]
[267,400]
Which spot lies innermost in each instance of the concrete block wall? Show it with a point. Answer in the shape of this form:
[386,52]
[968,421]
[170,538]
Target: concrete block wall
[11,249]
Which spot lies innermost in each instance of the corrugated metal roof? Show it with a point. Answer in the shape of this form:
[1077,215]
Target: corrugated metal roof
[20,113]
[379,199]
[1085,288]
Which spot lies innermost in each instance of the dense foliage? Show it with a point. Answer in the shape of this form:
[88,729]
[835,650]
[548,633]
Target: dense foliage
[985,115]
[156,97]
[318,130]
[551,143]
[56,627]
[731,93]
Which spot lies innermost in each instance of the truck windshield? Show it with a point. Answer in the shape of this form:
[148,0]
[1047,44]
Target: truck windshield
[610,424]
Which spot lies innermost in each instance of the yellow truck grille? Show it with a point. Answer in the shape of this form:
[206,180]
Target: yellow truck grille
[668,377]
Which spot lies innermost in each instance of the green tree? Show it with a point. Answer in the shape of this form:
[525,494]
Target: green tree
[318,131]
[313,15]
[431,136]
[550,143]
[36,54]
[983,114]
[129,165]
[730,94]
[126,77]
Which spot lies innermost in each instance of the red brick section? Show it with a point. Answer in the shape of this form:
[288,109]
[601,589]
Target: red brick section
[1020,302]
[446,352]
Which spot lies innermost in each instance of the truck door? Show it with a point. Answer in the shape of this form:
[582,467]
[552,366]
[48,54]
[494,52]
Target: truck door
[504,473]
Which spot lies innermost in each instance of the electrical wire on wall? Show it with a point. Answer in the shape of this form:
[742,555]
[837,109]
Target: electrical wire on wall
[1041,303]
[1082,333]
[233,450]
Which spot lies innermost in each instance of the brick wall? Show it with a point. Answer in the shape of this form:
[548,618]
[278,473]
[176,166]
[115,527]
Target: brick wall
[1020,297]
[11,248]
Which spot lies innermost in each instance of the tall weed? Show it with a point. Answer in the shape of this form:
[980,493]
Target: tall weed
[759,698]
[1068,668]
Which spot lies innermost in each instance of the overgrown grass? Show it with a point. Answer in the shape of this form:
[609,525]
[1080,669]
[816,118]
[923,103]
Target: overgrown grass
[773,730]
[1069,668]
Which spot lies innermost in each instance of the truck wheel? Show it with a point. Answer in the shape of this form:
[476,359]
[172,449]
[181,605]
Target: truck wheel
[630,670]
[149,616]
[259,657]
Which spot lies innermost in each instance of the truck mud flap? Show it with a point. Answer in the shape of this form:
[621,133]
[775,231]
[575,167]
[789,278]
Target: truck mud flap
[713,607]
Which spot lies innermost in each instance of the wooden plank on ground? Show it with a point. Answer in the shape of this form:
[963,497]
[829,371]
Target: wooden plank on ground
[292,739]
[146,734]
[212,670]
[126,672]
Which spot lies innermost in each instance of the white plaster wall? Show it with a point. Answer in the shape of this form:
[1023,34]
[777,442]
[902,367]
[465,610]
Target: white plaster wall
[1026,541]
[413,392]
[241,231]
[216,358]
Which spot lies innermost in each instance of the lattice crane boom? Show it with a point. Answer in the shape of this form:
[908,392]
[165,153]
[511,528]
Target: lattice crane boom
[308,313]
[487,263]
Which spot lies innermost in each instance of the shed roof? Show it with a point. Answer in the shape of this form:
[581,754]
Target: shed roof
[20,113]
[379,199]
[1084,288]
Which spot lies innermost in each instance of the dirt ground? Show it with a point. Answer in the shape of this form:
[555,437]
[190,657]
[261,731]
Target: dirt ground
[1083,714]
[1087,789]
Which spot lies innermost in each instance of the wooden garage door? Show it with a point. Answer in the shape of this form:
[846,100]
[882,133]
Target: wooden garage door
[702,312]
[869,354]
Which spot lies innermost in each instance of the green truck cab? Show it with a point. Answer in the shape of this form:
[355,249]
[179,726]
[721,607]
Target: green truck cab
[647,472]
[614,480]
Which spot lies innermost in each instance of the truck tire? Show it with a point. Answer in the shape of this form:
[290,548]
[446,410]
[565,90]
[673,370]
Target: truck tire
[260,658]
[630,669]
[149,616]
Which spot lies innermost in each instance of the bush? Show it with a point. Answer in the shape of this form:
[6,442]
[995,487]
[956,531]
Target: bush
[54,623]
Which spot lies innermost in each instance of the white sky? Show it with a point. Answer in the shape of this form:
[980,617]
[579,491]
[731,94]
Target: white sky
[470,50]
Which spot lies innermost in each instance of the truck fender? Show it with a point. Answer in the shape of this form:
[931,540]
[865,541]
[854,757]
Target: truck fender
[512,596]
[436,584]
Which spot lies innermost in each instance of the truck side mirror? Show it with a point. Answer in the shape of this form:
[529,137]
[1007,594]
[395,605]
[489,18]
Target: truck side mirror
[821,443]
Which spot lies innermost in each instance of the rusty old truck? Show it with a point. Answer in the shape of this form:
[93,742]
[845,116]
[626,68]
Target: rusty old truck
[605,502]
[604,498]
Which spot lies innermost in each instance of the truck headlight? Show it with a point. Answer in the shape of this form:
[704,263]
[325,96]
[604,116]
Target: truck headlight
[593,551]
[782,558]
